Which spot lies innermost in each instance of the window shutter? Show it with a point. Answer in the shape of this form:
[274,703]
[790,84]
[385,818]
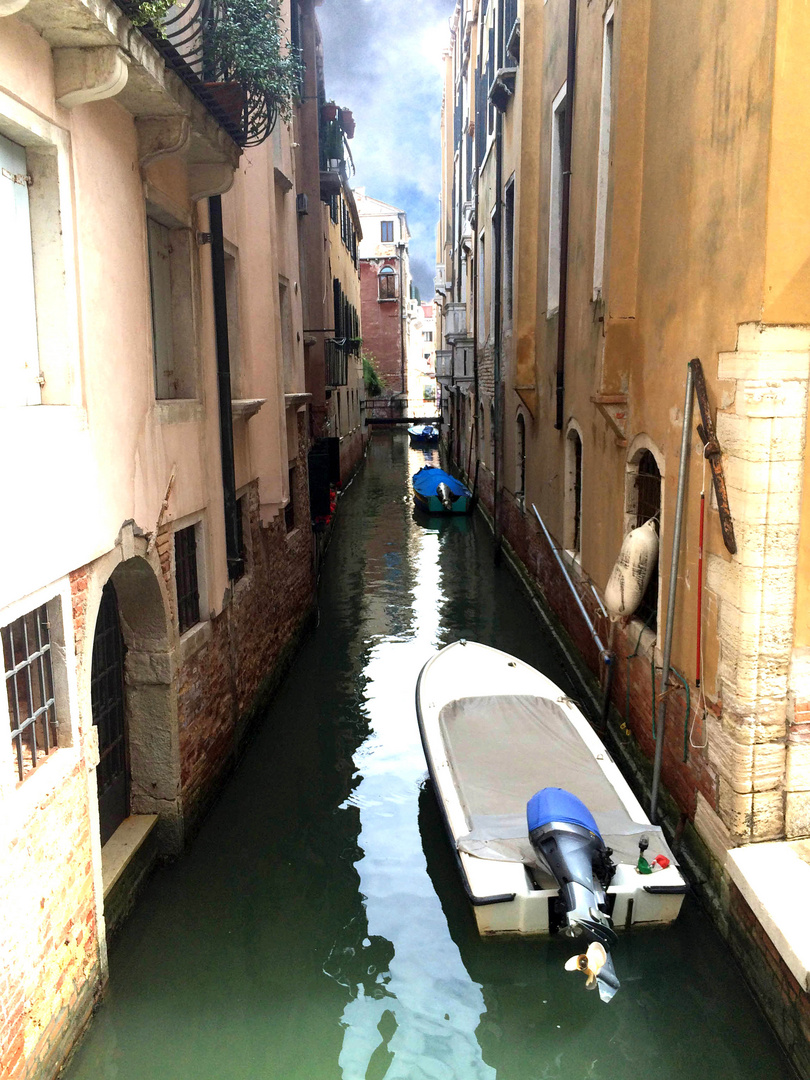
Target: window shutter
[19,366]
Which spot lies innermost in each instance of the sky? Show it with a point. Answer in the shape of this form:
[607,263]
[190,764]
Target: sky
[382,60]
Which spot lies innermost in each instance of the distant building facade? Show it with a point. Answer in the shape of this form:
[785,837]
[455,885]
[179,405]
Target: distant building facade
[385,289]
[604,221]
[421,359]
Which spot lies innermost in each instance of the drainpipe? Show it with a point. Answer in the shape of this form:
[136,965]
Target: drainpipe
[496,358]
[673,586]
[233,553]
[402,315]
[565,209]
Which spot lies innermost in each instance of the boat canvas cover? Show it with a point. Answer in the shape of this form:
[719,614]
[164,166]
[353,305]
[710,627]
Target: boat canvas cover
[428,479]
[502,750]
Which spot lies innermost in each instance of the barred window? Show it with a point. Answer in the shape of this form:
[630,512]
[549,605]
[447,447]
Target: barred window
[29,686]
[185,575]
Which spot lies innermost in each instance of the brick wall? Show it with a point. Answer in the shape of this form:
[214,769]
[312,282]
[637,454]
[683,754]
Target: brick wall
[382,332]
[50,968]
[247,650]
[786,1003]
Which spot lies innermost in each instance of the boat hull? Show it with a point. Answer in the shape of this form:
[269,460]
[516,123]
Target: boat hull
[514,897]
[434,505]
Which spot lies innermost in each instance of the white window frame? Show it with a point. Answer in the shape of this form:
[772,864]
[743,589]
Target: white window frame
[555,200]
[174,323]
[603,171]
[51,365]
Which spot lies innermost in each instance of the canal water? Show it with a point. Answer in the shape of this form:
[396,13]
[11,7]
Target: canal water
[316,929]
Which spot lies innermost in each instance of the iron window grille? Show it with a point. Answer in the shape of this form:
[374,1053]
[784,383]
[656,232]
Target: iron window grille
[29,686]
[185,576]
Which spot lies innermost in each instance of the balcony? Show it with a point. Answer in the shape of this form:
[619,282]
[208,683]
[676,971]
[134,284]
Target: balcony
[174,81]
[337,363]
[455,322]
[444,364]
[333,149]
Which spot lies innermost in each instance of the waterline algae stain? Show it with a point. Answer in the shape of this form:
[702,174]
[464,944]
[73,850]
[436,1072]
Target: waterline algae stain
[317,929]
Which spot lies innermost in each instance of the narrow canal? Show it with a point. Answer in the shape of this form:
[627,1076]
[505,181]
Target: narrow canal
[316,929]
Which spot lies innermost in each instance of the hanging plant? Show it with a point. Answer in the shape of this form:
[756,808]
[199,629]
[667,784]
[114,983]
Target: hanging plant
[150,11]
[245,42]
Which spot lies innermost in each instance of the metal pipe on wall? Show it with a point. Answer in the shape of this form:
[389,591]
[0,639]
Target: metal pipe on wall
[565,210]
[233,554]
[686,435]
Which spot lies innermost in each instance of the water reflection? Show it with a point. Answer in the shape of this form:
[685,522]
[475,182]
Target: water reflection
[317,929]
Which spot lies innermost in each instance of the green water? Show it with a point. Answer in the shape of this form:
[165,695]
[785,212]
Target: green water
[316,929]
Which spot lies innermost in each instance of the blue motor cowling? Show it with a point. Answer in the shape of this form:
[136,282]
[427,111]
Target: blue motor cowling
[567,840]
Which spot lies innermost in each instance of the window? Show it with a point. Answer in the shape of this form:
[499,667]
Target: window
[555,201]
[387,232]
[520,479]
[573,491]
[289,509]
[185,576]
[427,335]
[239,569]
[644,502]
[171,296]
[20,370]
[234,332]
[604,156]
[29,686]
[481,286]
[287,348]
[387,284]
[508,250]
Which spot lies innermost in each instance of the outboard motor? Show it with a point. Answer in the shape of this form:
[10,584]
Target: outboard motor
[567,840]
[444,493]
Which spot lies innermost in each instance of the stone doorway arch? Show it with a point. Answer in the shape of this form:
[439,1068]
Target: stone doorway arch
[149,699]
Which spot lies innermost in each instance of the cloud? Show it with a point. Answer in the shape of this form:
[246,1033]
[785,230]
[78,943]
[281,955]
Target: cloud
[382,59]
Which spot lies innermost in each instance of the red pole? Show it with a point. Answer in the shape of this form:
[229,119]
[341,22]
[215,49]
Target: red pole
[700,588]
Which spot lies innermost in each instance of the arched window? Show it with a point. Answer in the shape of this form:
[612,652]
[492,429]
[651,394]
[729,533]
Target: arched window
[387,284]
[573,491]
[520,460]
[643,503]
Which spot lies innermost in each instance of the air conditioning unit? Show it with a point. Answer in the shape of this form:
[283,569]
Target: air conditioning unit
[302,203]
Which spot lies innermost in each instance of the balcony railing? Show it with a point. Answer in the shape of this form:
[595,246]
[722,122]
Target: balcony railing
[247,115]
[337,363]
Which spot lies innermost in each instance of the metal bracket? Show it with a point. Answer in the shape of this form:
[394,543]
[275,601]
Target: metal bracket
[18,178]
[713,453]
[203,238]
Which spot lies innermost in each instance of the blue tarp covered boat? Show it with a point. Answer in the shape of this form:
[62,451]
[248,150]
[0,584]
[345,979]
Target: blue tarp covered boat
[438,492]
[423,435]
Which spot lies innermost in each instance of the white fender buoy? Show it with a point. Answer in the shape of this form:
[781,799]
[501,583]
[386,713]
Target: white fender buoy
[631,575]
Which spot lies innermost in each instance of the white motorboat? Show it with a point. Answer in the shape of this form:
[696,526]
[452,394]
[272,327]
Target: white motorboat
[546,831]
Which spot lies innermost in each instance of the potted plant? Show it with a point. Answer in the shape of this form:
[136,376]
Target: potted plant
[329,112]
[347,122]
[245,43]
